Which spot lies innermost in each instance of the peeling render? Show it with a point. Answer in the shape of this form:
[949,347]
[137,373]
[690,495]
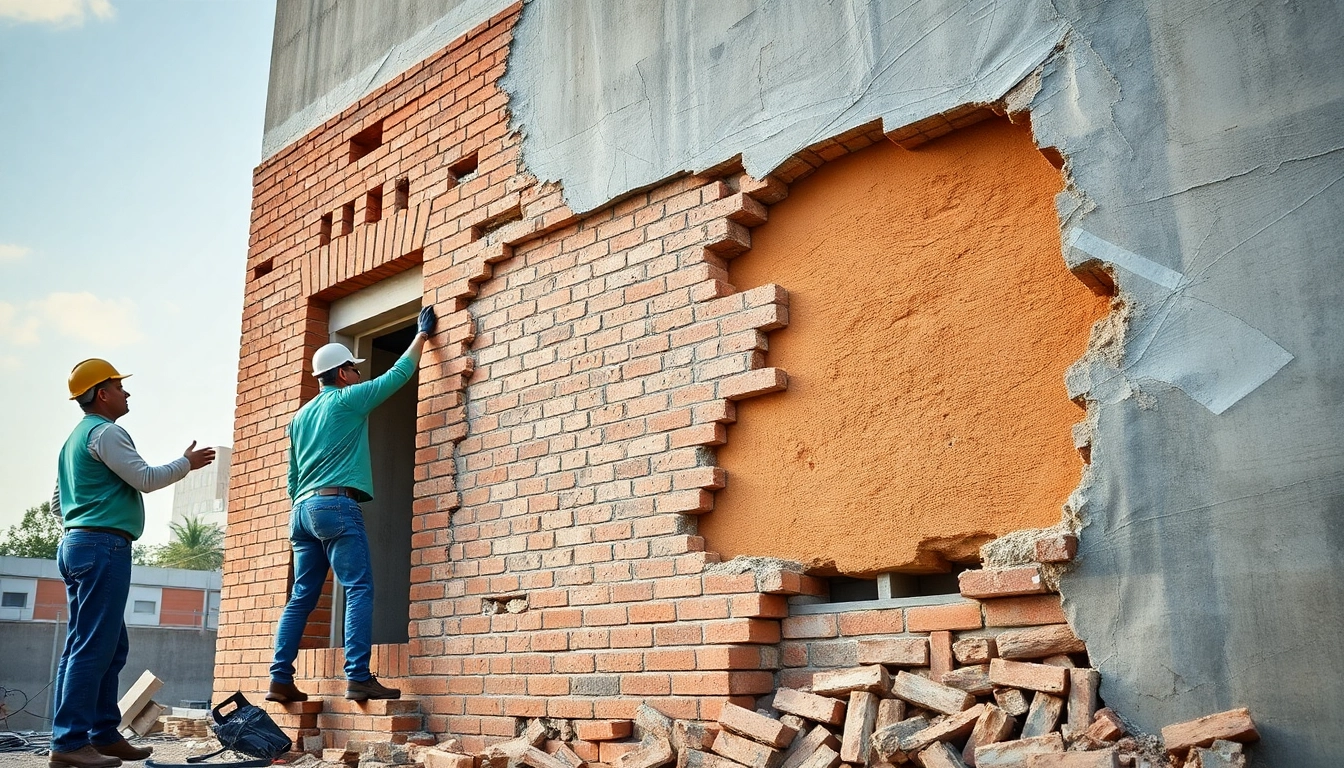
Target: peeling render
[1203,140]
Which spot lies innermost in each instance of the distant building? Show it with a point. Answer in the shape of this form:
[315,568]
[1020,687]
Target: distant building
[171,621]
[204,494]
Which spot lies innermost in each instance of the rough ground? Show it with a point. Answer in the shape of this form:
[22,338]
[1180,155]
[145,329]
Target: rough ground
[166,750]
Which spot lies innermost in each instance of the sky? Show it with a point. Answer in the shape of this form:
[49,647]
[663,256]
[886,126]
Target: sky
[129,130]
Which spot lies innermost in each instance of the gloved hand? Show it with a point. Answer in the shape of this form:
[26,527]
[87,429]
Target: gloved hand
[425,324]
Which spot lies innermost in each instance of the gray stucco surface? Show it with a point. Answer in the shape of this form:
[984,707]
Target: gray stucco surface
[327,54]
[1205,162]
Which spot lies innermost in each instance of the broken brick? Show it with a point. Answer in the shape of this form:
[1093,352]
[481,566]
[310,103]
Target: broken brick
[841,682]
[1022,674]
[745,751]
[940,653]
[1013,701]
[941,755]
[1056,549]
[859,720]
[805,744]
[1232,725]
[820,709]
[887,741]
[994,726]
[973,680]
[653,752]
[692,734]
[1038,642]
[822,757]
[745,722]
[927,694]
[431,758]
[1014,754]
[1043,715]
[694,758]
[1106,726]
[1083,684]
[1105,758]
[975,650]
[651,722]
[953,728]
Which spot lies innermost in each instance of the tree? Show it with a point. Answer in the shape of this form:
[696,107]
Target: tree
[37,535]
[196,545]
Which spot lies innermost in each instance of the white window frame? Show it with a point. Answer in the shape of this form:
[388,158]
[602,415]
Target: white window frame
[25,586]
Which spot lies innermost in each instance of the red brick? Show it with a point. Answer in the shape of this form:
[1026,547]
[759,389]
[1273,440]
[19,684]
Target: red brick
[821,709]
[603,730]
[883,622]
[1033,677]
[929,618]
[896,651]
[757,727]
[1023,611]
[1057,549]
[1002,582]
[1038,642]
[1232,725]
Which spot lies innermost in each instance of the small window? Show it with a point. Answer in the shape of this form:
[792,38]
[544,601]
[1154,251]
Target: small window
[464,169]
[14,600]
[402,200]
[324,230]
[366,141]
[263,269]
[346,225]
[373,205]
[143,606]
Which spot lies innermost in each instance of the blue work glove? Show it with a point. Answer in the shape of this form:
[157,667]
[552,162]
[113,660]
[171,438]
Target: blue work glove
[425,324]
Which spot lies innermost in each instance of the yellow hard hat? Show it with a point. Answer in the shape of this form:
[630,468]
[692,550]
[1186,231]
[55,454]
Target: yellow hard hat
[90,374]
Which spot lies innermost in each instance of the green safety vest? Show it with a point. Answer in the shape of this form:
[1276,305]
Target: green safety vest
[92,495]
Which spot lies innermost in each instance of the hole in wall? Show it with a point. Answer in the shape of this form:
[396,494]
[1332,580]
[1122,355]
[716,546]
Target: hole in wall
[373,205]
[931,321]
[346,224]
[402,196]
[263,269]
[324,230]
[366,141]
[464,169]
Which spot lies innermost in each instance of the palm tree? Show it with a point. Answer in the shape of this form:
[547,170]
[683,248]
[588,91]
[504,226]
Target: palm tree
[196,545]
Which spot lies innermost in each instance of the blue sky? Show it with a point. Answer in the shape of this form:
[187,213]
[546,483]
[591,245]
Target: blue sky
[129,130]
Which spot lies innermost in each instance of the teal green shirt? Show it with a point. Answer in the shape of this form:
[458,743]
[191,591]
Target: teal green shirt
[92,495]
[329,436]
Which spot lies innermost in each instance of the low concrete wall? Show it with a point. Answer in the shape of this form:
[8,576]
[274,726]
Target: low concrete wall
[183,659]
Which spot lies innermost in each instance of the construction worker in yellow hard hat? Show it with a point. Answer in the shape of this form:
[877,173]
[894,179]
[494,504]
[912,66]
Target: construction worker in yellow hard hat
[100,479]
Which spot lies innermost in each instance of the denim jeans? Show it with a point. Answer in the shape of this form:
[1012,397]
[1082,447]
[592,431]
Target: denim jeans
[97,571]
[327,532]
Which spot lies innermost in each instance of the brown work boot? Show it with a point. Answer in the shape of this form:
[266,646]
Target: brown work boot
[363,690]
[285,693]
[124,750]
[84,757]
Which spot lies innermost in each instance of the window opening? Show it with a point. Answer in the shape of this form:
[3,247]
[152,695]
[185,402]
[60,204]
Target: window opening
[465,169]
[366,141]
[324,230]
[402,199]
[14,600]
[143,606]
[263,269]
[373,205]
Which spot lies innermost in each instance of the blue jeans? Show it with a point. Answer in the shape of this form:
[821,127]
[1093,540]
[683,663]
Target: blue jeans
[327,532]
[97,571]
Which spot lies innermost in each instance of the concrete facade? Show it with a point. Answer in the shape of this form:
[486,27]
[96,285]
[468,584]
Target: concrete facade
[573,182]
[204,494]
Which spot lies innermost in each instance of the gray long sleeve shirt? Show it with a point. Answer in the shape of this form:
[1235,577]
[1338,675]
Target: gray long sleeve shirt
[112,445]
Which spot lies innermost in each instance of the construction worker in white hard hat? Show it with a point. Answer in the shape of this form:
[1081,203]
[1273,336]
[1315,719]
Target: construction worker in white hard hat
[99,487]
[330,473]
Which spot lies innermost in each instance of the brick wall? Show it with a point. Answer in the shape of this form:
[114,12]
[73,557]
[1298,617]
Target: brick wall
[585,369]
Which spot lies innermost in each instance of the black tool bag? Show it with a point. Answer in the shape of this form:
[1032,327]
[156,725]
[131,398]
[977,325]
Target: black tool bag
[246,729]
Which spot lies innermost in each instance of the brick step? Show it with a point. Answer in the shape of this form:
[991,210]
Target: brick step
[376,707]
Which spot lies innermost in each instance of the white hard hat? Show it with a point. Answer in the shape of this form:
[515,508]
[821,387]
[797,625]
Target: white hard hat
[332,356]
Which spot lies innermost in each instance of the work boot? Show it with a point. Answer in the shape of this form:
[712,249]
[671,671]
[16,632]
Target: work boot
[84,757]
[124,750]
[285,693]
[363,690]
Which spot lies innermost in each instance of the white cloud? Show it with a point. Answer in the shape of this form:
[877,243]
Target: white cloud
[9,252]
[59,12]
[9,363]
[15,329]
[83,316]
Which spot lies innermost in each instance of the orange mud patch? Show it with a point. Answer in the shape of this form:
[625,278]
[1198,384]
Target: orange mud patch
[931,322]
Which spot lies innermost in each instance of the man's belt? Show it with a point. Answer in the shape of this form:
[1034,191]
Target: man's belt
[336,490]
[100,529]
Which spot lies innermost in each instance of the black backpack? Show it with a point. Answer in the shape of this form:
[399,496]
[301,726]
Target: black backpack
[246,729]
